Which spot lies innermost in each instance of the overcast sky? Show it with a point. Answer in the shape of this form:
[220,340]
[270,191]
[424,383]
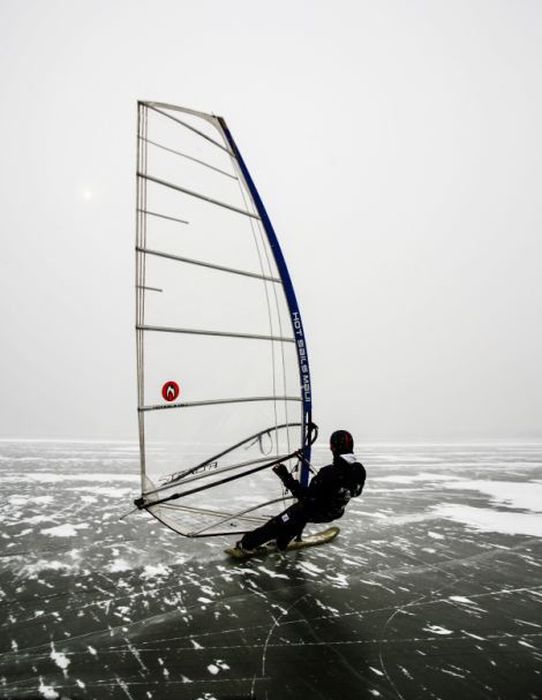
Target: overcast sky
[397,146]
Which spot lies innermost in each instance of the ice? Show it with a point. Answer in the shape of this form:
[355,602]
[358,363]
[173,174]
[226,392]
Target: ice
[429,574]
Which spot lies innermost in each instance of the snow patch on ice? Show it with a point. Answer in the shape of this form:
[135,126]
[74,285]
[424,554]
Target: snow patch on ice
[18,500]
[311,568]
[490,520]
[474,636]
[437,629]
[523,643]
[512,494]
[109,491]
[376,670]
[47,690]
[42,500]
[219,665]
[36,519]
[118,565]
[339,580]
[158,571]
[273,574]
[66,530]
[452,673]
[60,659]
[51,478]
[88,499]
[460,599]
[30,570]
[21,500]
[327,608]
[412,479]
[405,672]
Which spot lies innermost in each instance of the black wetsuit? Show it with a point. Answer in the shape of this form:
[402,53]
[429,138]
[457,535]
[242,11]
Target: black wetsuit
[322,501]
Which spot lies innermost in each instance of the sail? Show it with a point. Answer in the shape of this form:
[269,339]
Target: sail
[223,376]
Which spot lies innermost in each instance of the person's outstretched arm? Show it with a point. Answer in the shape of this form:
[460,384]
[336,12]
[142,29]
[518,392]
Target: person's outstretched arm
[293,485]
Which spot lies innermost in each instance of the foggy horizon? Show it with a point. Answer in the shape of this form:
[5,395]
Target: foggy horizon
[396,148]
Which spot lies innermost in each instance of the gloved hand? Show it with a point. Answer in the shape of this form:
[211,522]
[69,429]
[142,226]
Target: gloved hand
[281,470]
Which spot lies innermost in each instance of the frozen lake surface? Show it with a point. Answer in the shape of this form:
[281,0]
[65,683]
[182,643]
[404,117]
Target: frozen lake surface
[433,588]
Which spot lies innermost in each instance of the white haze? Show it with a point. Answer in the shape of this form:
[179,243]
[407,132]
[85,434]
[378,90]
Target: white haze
[396,145]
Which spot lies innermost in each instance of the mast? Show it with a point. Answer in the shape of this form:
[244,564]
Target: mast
[293,306]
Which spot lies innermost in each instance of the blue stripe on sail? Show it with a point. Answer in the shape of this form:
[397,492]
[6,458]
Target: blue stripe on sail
[293,307]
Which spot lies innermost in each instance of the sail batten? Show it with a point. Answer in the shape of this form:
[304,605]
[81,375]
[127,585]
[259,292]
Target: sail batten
[211,266]
[198,195]
[185,155]
[223,334]
[216,402]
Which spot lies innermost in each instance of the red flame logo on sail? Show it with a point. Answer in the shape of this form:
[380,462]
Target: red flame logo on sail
[170,391]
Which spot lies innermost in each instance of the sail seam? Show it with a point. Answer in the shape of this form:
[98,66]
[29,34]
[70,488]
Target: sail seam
[255,231]
[195,160]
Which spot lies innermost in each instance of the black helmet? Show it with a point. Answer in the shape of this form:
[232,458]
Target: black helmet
[341,442]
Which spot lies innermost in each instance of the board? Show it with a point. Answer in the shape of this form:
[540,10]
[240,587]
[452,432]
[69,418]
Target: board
[310,541]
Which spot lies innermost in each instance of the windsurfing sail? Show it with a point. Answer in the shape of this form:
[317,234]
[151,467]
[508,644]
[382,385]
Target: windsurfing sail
[224,389]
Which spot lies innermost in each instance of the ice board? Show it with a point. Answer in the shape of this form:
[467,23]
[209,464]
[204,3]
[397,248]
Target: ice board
[310,541]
